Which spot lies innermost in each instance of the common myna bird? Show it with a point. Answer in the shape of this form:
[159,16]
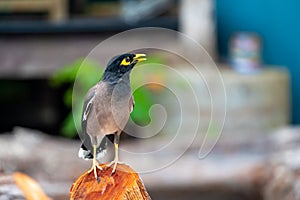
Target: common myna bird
[106,109]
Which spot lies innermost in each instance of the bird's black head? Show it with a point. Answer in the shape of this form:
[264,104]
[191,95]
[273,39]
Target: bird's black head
[120,65]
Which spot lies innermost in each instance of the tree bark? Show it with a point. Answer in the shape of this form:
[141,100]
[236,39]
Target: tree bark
[125,183]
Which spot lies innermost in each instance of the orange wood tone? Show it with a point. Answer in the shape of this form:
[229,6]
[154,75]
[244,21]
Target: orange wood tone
[30,188]
[124,184]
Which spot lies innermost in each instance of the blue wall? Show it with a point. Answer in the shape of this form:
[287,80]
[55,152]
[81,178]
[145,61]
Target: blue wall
[278,23]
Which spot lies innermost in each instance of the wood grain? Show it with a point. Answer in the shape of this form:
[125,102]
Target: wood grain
[30,188]
[20,186]
[125,184]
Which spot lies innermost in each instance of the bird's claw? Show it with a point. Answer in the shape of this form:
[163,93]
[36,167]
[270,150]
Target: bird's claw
[115,163]
[99,167]
[98,179]
[94,168]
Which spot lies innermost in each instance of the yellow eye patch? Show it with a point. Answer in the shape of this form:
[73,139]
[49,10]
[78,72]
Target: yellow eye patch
[126,62]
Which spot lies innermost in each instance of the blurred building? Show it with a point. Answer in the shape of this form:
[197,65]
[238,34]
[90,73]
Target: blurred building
[39,38]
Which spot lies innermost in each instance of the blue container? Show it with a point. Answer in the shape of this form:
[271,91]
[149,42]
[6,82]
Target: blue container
[245,52]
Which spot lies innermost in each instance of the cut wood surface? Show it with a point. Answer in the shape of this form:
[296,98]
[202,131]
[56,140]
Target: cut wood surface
[124,184]
[30,188]
[19,186]
[245,172]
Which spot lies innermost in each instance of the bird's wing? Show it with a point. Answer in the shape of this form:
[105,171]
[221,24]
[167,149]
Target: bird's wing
[131,103]
[87,106]
[85,150]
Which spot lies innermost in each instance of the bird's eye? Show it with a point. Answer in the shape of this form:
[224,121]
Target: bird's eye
[126,61]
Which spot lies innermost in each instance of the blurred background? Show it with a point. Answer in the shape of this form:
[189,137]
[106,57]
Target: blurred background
[254,43]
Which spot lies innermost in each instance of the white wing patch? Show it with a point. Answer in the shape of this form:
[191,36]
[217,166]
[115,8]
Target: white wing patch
[83,154]
[88,108]
[131,104]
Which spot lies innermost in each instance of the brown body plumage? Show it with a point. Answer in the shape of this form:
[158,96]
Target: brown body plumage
[107,108]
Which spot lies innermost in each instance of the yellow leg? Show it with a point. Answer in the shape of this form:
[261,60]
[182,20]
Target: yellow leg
[95,164]
[116,161]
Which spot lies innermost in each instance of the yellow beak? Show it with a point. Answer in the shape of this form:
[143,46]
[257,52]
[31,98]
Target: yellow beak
[140,57]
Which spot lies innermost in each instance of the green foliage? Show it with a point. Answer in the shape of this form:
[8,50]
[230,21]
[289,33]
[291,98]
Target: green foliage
[87,73]
[144,96]
[144,99]
[68,74]
[90,73]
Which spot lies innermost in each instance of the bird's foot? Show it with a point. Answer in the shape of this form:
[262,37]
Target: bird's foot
[115,162]
[94,168]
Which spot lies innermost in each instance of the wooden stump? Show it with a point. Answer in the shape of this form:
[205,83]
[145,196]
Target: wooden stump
[124,184]
[19,186]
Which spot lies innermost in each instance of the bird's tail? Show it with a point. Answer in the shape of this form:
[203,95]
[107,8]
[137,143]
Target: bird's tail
[86,149]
